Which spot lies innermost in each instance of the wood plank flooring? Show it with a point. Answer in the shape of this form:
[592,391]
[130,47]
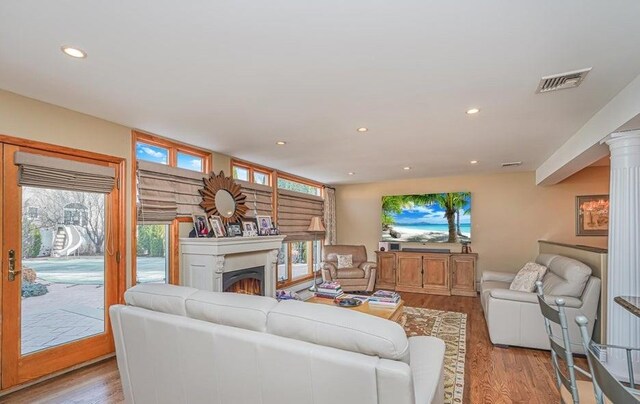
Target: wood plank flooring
[493,375]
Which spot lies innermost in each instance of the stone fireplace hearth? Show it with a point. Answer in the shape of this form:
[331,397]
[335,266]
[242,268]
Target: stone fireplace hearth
[237,264]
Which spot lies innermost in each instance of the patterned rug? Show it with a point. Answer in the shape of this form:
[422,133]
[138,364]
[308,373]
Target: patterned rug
[451,327]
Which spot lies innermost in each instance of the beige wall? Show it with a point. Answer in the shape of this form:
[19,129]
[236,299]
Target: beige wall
[509,212]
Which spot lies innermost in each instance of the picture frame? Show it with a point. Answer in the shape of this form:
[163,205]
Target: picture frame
[592,215]
[234,229]
[264,224]
[249,226]
[201,225]
[217,226]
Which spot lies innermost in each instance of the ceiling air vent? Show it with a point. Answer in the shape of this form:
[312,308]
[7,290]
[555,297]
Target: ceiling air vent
[512,164]
[562,81]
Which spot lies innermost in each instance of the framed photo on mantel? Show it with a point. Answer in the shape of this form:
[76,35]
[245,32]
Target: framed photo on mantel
[592,215]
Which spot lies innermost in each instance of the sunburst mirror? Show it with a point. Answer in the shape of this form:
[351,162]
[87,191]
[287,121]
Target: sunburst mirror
[221,196]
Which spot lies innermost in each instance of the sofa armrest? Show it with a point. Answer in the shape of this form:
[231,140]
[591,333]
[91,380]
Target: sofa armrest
[328,266]
[497,276]
[427,369]
[367,267]
[532,297]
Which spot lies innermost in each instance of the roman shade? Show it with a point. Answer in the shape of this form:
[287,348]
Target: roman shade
[165,193]
[295,210]
[36,170]
[259,199]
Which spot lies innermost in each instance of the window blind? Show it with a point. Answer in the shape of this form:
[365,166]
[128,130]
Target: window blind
[36,170]
[259,199]
[295,210]
[165,193]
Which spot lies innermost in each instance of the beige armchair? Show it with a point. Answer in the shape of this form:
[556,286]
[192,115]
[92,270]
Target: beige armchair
[360,277]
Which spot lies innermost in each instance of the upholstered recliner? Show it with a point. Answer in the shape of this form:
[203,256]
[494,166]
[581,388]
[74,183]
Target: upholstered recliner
[359,277]
[514,318]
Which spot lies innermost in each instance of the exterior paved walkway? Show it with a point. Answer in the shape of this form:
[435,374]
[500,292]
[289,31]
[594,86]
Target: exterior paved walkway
[67,313]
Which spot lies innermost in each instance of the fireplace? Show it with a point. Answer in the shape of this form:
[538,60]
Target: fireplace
[249,281]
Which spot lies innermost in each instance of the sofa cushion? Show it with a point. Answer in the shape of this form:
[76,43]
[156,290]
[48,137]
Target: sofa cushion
[159,297]
[232,309]
[565,277]
[339,328]
[350,273]
[526,278]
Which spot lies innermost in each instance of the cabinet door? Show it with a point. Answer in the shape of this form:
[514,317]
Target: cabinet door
[436,273]
[463,275]
[409,270]
[386,272]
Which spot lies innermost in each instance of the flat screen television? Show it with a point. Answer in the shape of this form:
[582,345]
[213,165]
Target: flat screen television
[427,218]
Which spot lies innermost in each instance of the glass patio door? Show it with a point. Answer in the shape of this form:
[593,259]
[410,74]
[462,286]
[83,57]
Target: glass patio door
[59,270]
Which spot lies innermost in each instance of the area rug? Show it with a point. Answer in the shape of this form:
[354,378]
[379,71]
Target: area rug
[451,327]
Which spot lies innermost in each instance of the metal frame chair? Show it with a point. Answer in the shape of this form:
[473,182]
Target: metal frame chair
[603,381]
[558,351]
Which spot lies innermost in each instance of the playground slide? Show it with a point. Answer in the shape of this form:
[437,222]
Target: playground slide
[74,241]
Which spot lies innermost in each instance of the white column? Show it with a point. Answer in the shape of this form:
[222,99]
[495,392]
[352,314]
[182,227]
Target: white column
[623,328]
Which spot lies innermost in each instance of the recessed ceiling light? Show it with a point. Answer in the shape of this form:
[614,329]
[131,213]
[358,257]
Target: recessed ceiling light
[351,173]
[474,162]
[362,129]
[472,111]
[406,168]
[281,143]
[74,52]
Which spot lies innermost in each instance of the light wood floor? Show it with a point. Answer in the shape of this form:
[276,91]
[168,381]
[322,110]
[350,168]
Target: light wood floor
[493,375]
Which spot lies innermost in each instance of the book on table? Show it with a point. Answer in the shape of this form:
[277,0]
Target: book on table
[384,298]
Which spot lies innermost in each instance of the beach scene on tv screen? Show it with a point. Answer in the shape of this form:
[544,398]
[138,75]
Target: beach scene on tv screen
[427,218]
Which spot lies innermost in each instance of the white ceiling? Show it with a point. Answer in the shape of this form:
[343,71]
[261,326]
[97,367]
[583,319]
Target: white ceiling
[235,76]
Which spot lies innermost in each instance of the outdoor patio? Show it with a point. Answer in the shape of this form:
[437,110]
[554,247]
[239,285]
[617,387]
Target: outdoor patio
[73,308]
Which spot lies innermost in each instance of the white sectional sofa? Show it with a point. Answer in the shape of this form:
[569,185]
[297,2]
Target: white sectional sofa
[180,345]
[514,317]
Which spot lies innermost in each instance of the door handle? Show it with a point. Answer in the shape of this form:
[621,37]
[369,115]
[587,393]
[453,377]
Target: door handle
[12,266]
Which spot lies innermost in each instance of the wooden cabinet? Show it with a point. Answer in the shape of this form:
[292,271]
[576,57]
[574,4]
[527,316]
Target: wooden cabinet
[463,275]
[435,279]
[409,271]
[433,273]
[386,271]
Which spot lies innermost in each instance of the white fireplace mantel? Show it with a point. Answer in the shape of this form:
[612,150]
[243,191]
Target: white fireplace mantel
[205,260]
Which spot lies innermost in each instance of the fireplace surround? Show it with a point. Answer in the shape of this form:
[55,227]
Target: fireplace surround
[208,263]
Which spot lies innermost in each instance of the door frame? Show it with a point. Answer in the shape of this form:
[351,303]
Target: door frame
[52,360]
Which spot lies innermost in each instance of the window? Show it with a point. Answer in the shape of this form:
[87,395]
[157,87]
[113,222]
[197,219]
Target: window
[190,162]
[154,154]
[297,260]
[153,243]
[32,212]
[297,186]
[249,173]
[240,173]
[260,177]
[152,261]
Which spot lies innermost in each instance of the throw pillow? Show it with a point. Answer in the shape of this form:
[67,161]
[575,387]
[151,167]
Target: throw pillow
[526,278]
[345,261]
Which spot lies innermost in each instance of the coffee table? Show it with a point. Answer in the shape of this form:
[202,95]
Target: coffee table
[393,313]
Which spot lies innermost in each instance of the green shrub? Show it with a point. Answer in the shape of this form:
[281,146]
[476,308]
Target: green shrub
[33,289]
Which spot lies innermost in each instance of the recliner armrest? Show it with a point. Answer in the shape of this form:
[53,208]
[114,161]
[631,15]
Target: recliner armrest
[532,297]
[497,276]
[367,267]
[328,266]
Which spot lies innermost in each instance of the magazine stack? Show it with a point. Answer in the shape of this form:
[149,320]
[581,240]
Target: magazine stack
[384,298]
[329,290]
